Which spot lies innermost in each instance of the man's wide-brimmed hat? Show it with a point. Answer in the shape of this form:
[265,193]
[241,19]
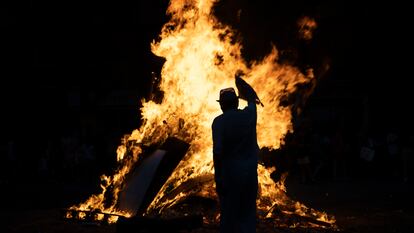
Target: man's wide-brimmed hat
[227,94]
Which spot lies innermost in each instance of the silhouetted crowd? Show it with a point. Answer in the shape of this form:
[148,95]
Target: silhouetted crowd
[337,154]
[66,158]
[309,154]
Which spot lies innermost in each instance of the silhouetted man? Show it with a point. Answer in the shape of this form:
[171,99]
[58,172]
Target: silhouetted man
[235,158]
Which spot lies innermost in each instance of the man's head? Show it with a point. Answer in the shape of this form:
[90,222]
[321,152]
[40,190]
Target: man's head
[228,99]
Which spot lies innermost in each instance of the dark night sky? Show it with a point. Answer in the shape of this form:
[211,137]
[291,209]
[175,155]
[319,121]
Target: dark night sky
[51,47]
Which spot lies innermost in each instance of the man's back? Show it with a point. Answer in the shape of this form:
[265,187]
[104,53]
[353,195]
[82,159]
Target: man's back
[237,133]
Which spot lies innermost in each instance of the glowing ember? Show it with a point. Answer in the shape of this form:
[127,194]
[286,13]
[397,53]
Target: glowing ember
[112,219]
[306,27]
[81,215]
[99,217]
[202,58]
[68,215]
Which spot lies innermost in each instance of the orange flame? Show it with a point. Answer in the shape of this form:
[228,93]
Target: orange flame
[202,58]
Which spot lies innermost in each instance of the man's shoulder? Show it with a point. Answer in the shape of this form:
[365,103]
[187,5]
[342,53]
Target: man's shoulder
[218,119]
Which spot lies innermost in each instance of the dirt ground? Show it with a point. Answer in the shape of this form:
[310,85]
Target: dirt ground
[359,207]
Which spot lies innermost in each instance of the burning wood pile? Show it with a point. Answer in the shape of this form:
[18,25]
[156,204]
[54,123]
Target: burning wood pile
[201,57]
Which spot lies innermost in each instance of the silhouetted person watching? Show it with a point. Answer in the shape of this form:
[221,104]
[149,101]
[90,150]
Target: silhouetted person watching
[235,156]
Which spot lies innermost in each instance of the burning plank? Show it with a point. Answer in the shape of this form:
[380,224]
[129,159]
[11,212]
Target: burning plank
[133,195]
[174,150]
[142,185]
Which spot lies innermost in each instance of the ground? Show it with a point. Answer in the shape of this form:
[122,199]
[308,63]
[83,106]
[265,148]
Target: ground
[364,206]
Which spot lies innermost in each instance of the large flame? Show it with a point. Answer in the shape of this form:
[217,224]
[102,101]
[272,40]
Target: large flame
[202,57]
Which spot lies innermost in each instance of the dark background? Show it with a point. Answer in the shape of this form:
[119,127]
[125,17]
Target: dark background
[80,68]
[60,56]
